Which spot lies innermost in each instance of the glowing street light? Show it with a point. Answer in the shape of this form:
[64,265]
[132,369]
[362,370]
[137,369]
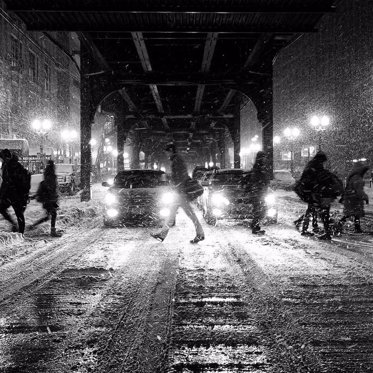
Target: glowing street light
[320,124]
[291,133]
[41,127]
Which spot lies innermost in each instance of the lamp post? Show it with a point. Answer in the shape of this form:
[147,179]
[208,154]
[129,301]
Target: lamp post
[68,136]
[41,127]
[291,133]
[320,124]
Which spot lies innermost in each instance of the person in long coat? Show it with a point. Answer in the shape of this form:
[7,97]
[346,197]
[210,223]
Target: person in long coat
[259,180]
[354,197]
[179,175]
[11,193]
[47,194]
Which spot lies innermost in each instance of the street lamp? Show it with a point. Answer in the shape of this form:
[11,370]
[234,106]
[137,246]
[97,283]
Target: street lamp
[291,133]
[41,127]
[320,124]
[68,136]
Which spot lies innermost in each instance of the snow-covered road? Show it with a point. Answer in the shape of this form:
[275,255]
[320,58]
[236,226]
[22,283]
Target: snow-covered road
[116,300]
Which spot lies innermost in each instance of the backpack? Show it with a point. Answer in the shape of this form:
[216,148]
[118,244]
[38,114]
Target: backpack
[303,192]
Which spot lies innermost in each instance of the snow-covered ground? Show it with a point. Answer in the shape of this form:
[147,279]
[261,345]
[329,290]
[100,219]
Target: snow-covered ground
[108,300]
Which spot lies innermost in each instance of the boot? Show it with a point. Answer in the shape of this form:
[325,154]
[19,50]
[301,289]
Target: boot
[197,238]
[325,237]
[54,233]
[307,234]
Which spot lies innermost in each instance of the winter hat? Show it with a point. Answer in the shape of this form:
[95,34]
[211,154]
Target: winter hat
[320,156]
[5,153]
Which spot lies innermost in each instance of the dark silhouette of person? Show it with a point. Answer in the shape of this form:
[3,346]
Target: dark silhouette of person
[259,182]
[353,198]
[47,194]
[323,187]
[179,175]
[12,191]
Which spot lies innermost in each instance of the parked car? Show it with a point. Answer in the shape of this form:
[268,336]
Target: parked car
[225,197]
[68,177]
[282,179]
[140,197]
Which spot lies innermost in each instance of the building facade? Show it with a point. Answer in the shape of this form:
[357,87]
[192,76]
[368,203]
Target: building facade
[329,72]
[39,80]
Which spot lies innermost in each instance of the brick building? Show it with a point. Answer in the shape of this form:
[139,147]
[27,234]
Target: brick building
[39,79]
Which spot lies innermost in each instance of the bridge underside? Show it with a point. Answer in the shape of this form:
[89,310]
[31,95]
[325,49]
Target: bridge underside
[175,69]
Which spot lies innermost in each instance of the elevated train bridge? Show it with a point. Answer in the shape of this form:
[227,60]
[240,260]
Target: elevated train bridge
[174,69]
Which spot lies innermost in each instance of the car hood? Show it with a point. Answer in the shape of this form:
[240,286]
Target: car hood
[138,192]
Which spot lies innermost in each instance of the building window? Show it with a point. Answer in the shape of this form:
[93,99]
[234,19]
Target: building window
[16,52]
[33,67]
[47,77]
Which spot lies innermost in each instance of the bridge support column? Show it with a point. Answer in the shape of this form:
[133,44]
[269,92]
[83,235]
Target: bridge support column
[221,149]
[87,111]
[121,138]
[236,137]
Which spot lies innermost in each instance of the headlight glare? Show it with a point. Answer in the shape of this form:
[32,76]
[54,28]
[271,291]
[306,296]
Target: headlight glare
[168,197]
[112,213]
[219,199]
[110,199]
[270,199]
[164,213]
[271,212]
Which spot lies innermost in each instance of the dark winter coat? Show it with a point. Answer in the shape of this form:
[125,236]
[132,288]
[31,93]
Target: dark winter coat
[47,192]
[354,195]
[10,187]
[179,170]
[259,177]
[320,186]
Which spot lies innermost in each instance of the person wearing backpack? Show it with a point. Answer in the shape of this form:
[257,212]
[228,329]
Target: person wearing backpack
[322,187]
[353,198]
[47,194]
[14,190]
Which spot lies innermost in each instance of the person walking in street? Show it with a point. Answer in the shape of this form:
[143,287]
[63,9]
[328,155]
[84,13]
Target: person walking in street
[321,187]
[47,194]
[257,188]
[353,198]
[179,177]
[14,190]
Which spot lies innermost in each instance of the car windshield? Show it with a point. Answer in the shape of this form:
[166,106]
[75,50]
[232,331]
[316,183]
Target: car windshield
[139,180]
[228,178]
[63,168]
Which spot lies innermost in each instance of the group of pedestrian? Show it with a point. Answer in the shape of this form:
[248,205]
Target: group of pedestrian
[15,188]
[319,187]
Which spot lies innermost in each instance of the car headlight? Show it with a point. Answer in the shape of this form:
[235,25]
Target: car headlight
[165,212]
[168,197]
[110,181]
[219,199]
[270,199]
[110,199]
[112,213]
